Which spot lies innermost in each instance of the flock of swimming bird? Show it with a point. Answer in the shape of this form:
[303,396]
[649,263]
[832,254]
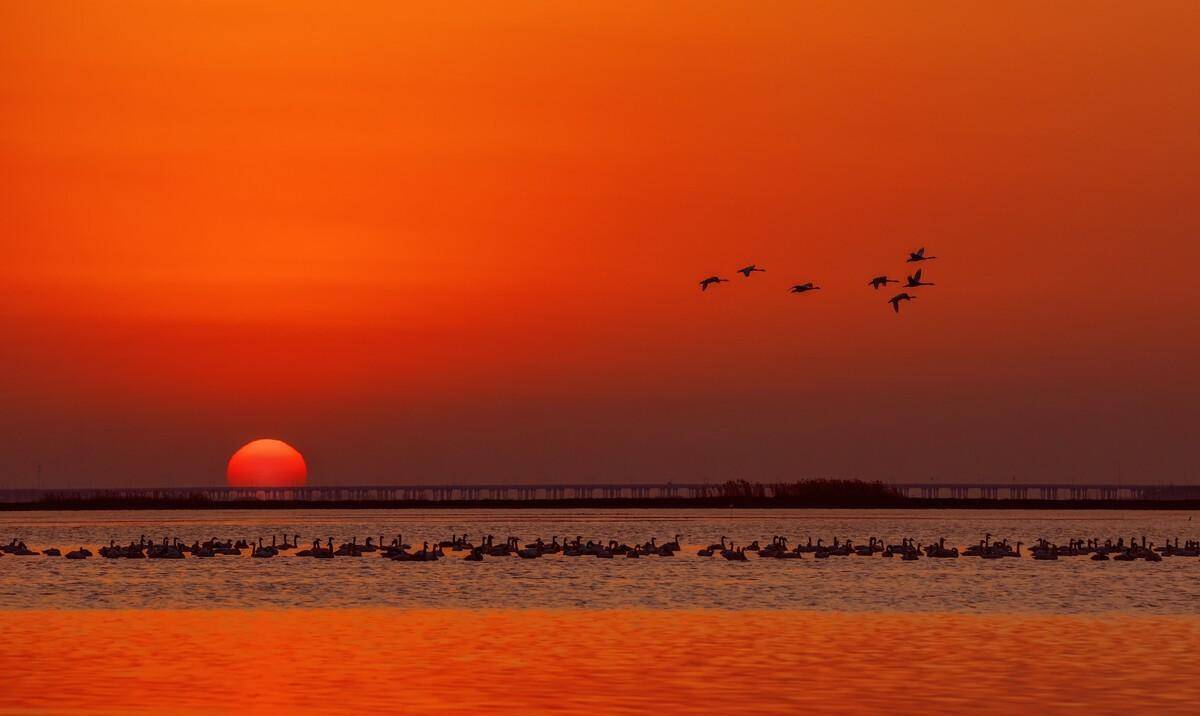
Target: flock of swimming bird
[907,549]
[878,282]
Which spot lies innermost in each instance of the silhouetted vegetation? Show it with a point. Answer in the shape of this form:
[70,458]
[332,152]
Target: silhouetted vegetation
[817,492]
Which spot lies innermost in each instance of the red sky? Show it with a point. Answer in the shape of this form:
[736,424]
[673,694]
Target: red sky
[444,244]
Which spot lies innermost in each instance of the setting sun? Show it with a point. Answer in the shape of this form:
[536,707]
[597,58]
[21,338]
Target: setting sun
[266,463]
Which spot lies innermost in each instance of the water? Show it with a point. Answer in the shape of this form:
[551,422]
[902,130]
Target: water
[1069,586]
[584,662]
[575,636]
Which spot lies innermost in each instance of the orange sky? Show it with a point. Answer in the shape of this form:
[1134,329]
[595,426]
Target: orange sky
[461,243]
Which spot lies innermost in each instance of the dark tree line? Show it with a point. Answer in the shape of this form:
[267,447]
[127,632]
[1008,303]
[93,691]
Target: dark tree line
[806,491]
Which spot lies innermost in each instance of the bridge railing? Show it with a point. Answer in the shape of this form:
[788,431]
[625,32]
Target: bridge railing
[586,491]
[365,493]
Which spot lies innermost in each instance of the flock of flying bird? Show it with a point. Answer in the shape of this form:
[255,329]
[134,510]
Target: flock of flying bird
[914,280]
[907,549]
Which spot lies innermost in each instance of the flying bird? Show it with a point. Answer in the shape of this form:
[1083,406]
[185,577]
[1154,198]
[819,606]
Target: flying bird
[880,281]
[895,300]
[803,287]
[746,271]
[709,281]
[919,255]
[915,281]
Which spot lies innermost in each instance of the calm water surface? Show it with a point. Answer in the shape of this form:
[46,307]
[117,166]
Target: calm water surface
[584,662]
[575,636]
[846,584]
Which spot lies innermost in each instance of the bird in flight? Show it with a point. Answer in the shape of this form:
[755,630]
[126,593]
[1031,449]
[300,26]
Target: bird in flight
[803,288]
[895,300]
[747,270]
[880,281]
[915,281]
[709,281]
[919,255]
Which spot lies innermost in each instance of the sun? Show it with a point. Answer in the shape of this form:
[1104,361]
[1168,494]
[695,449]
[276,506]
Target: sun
[266,463]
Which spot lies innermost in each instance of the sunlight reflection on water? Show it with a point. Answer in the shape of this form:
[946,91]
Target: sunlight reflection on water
[584,662]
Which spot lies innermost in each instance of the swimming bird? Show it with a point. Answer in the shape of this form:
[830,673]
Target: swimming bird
[895,300]
[940,550]
[349,549]
[803,288]
[318,552]
[711,280]
[262,552]
[747,270]
[426,554]
[532,550]
[735,555]
[919,255]
[708,551]
[915,281]
[880,281]
[21,550]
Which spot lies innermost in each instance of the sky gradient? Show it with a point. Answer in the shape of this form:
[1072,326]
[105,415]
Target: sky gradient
[461,244]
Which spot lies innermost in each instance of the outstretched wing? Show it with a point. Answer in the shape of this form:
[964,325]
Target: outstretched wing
[917,275]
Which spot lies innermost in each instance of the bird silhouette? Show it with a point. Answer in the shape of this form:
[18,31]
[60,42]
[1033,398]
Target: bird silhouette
[711,280]
[803,288]
[895,300]
[915,281]
[747,270]
[880,281]
[919,255]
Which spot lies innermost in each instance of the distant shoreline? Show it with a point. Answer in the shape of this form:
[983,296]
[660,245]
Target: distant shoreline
[749,503]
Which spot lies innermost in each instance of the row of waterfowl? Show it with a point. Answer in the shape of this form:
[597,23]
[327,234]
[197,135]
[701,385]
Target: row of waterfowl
[986,548]
[907,549]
